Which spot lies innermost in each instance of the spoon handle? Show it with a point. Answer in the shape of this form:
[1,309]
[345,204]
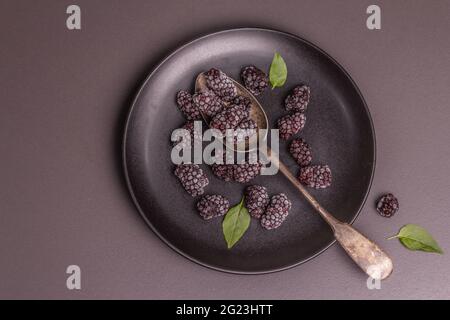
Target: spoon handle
[367,255]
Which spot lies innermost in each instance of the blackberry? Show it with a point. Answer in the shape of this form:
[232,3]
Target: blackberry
[220,168]
[245,130]
[247,124]
[229,118]
[298,100]
[255,80]
[291,124]
[301,152]
[245,102]
[387,205]
[192,178]
[223,171]
[318,176]
[208,103]
[187,106]
[246,172]
[219,82]
[243,172]
[256,200]
[188,138]
[211,206]
[276,212]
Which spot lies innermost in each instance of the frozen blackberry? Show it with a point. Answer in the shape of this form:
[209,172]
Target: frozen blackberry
[219,82]
[220,168]
[387,205]
[242,101]
[187,106]
[223,171]
[211,206]
[256,200]
[245,130]
[247,124]
[291,124]
[208,102]
[301,152]
[276,212]
[229,118]
[246,172]
[318,176]
[243,172]
[298,100]
[255,80]
[192,178]
[189,137]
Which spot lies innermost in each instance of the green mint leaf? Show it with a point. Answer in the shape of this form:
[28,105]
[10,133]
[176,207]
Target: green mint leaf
[415,237]
[235,223]
[278,71]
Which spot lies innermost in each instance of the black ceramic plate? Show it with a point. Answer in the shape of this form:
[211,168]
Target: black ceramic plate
[338,128]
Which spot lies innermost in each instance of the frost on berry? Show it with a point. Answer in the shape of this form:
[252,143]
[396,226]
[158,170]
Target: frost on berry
[301,152]
[298,99]
[291,124]
[229,118]
[192,178]
[318,176]
[208,103]
[219,82]
[387,205]
[276,212]
[187,106]
[211,206]
[255,80]
[256,200]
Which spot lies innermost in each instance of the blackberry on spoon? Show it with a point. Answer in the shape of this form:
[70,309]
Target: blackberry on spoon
[219,82]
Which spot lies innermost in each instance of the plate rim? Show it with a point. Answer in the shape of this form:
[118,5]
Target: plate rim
[132,107]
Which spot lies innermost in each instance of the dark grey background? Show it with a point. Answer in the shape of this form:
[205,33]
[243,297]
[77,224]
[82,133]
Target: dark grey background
[64,98]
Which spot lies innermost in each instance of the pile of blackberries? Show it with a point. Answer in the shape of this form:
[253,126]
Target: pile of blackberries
[225,109]
[271,211]
[296,103]
[314,176]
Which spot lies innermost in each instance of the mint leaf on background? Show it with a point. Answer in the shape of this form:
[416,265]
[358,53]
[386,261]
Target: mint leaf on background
[415,237]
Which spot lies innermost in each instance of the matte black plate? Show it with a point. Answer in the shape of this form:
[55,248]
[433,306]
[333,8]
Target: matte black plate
[338,128]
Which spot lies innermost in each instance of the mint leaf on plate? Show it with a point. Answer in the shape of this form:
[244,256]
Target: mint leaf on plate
[278,71]
[235,223]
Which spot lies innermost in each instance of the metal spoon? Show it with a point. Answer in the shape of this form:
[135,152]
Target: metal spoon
[367,255]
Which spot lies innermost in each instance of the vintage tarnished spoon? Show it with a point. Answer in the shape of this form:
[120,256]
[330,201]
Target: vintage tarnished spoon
[367,255]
